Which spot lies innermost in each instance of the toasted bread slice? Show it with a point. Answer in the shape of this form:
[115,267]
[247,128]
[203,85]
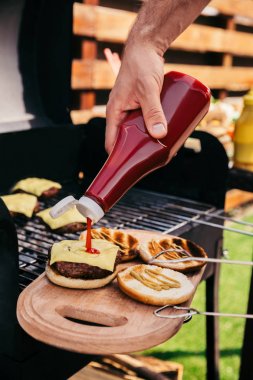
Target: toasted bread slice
[154,285]
[128,244]
[152,247]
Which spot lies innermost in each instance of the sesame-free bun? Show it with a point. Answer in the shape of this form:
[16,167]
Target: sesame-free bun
[150,248]
[128,244]
[140,292]
[77,283]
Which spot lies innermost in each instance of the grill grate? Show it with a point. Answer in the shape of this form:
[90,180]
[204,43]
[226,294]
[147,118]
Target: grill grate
[138,209]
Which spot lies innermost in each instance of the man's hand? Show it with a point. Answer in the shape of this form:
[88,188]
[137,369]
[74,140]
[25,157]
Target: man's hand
[140,79]
[138,85]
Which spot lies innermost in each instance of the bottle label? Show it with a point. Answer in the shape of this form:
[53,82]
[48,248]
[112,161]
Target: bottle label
[244,153]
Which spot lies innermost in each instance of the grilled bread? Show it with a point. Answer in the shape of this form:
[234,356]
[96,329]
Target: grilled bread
[154,285]
[128,244]
[188,249]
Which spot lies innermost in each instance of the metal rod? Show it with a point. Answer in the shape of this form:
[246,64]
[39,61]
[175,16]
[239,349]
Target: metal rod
[183,208]
[194,220]
[192,311]
[205,259]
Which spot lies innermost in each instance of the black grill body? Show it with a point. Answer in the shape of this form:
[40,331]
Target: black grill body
[38,139]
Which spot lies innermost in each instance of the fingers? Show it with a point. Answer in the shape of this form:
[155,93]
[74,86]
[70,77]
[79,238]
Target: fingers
[153,113]
[113,59]
[114,117]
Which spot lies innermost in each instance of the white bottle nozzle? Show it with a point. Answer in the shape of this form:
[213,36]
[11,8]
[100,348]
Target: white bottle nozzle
[86,206]
[63,206]
[89,208]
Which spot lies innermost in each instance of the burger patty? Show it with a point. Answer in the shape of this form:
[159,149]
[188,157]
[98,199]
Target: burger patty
[50,192]
[71,228]
[46,194]
[81,270]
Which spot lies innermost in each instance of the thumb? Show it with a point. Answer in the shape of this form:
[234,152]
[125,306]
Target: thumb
[153,115]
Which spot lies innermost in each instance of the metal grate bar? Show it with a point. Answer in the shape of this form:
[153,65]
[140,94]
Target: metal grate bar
[139,209]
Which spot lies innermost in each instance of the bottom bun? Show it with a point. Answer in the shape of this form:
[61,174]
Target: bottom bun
[140,292]
[77,283]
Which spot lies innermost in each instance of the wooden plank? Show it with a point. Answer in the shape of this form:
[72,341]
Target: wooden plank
[88,51]
[98,75]
[227,59]
[89,373]
[205,38]
[116,367]
[106,24]
[95,74]
[83,116]
[113,25]
[236,198]
[234,7]
[51,313]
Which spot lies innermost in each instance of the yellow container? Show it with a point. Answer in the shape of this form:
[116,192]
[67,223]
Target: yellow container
[243,137]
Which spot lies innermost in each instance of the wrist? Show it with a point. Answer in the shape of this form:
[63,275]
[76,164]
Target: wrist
[147,39]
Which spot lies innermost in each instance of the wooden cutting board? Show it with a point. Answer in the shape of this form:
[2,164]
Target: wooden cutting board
[99,321]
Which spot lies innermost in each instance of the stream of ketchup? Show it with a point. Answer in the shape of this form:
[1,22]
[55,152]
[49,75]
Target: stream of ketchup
[89,249]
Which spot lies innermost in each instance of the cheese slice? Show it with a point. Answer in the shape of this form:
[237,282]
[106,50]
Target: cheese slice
[71,216]
[20,203]
[74,251]
[35,186]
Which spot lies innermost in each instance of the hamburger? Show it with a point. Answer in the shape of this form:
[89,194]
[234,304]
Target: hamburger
[127,243]
[21,204]
[40,187]
[179,248]
[70,222]
[154,285]
[70,266]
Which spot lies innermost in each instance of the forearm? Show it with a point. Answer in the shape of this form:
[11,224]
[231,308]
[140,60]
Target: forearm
[140,79]
[160,22]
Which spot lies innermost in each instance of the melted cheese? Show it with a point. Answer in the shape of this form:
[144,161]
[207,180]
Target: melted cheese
[74,251]
[20,203]
[71,216]
[35,186]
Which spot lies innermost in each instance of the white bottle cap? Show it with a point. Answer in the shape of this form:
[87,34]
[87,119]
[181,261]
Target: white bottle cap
[89,208]
[61,207]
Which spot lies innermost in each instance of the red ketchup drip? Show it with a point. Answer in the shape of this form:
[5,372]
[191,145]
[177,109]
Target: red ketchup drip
[185,102]
[89,249]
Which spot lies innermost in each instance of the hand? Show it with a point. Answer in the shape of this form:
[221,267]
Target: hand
[138,85]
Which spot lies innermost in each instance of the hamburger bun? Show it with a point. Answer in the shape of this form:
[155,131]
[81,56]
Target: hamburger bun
[128,244]
[71,266]
[152,247]
[139,291]
[77,283]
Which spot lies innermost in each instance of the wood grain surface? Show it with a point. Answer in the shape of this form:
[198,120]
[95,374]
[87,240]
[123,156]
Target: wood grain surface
[113,25]
[99,321]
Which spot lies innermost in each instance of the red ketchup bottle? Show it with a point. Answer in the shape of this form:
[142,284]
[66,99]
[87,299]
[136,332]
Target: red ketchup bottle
[185,102]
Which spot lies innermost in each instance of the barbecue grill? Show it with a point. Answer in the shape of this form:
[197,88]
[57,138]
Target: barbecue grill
[185,199]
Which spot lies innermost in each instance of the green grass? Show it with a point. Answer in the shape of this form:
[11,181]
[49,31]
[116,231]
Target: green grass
[188,346]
